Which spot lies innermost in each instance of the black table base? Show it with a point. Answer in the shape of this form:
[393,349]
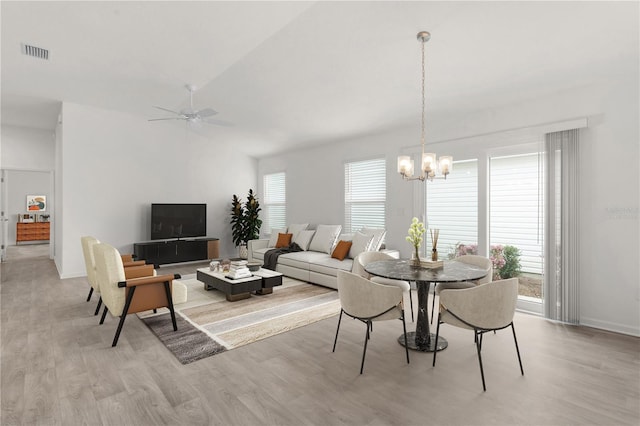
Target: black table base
[429,346]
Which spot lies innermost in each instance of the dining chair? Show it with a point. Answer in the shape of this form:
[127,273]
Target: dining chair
[151,292]
[368,301]
[367,257]
[486,307]
[471,259]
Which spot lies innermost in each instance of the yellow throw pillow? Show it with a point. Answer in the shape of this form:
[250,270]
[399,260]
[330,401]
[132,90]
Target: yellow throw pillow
[284,240]
[341,250]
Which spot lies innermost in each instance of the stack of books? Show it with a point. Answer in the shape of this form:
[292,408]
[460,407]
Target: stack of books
[238,269]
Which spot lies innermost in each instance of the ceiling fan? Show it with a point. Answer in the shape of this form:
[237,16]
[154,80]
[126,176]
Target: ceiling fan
[191,115]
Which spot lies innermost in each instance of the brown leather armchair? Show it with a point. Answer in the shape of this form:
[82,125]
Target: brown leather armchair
[141,269]
[122,295]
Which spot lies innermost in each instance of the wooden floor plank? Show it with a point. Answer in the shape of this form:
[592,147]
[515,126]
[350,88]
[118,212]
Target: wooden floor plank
[58,367]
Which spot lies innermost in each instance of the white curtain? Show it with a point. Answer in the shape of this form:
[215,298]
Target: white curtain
[561,277]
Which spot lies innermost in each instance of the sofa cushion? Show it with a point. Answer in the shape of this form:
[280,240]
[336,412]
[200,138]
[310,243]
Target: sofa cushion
[342,250]
[361,243]
[325,238]
[303,238]
[378,237]
[297,227]
[331,266]
[284,240]
[301,259]
[259,253]
[273,239]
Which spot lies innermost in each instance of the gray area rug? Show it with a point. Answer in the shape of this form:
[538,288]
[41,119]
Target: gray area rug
[188,344]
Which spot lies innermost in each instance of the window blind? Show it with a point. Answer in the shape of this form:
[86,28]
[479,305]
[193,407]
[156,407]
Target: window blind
[365,194]
[275,201]
[452,207]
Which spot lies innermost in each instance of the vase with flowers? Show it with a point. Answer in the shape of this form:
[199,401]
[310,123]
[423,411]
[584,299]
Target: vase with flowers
[416,231]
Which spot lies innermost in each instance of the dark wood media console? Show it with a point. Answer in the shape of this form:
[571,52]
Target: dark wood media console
[177,251]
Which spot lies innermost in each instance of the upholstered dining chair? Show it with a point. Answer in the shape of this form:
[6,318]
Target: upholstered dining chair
[134,268]
[368,301]
[151,292]
[471,259]
[486,307]
[367,257]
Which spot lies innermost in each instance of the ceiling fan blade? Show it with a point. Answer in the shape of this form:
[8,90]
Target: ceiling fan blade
[168,118]
[218,122]
[207,112]
[168,110]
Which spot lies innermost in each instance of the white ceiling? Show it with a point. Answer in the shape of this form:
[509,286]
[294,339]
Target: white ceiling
[289,74]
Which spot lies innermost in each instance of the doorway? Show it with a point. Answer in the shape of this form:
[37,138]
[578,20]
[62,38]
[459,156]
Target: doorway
[18,185]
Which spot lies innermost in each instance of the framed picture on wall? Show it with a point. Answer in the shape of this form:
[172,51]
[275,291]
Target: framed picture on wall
[36,203]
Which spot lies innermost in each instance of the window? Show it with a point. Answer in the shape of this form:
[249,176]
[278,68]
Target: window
[515,205]
[275,201]
[365,194]
[452,207]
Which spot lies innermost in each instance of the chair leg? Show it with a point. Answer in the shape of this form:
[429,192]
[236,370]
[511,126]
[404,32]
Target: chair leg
[123,315]
[479,348]
[337,330]
[433,302]
[90,293]
[364,352]
[437,334]
[167,291]
[411,303]
[98,307]
[406,343]
[104,314]
[517,349]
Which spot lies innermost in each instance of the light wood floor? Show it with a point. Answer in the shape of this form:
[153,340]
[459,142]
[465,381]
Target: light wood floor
[58,368]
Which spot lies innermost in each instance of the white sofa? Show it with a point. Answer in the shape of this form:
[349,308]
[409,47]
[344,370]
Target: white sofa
[314,264]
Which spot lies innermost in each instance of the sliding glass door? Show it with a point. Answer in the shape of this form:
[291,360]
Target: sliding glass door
[516,221]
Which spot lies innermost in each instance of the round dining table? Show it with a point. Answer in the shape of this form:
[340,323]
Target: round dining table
[451,271]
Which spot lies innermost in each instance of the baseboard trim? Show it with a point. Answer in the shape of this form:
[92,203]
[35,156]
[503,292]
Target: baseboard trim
[610,326]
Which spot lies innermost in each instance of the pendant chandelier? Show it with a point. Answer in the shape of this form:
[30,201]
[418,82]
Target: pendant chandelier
[430,168]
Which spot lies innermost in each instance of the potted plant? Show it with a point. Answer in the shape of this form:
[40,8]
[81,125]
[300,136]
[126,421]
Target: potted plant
[416,230]
[245,221]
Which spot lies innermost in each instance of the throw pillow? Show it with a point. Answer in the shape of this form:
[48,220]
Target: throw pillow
[325,238]
[378,237]
[361,243]
[341,250]
[303,239]
[297,227]
[284,240]
[273,239]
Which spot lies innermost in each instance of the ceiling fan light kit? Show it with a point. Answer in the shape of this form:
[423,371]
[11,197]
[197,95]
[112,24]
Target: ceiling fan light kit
[430,167]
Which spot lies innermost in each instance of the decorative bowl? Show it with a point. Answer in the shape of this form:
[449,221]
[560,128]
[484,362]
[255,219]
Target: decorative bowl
[254,266]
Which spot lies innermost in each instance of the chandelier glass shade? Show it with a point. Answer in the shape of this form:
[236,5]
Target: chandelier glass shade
[430,167]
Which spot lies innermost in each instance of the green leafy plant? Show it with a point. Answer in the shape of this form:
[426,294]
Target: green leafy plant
[416,230]
[511,266]
[245,219]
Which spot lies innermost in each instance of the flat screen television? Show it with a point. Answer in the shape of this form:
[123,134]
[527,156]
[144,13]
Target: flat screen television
[178,221]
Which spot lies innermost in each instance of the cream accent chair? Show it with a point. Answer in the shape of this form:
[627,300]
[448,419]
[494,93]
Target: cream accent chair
[368,301]
[367,257]
[151,292]
[133,269]
[487,307]
[471,259]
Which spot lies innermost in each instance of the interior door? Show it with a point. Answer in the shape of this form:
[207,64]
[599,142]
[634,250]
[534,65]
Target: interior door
[4,219]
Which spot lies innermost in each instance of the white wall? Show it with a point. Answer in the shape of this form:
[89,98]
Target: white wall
[27,149]
[609,269]
[114,165]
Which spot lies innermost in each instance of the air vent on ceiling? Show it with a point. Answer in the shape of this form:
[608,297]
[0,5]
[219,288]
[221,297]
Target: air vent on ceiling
[36,52]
